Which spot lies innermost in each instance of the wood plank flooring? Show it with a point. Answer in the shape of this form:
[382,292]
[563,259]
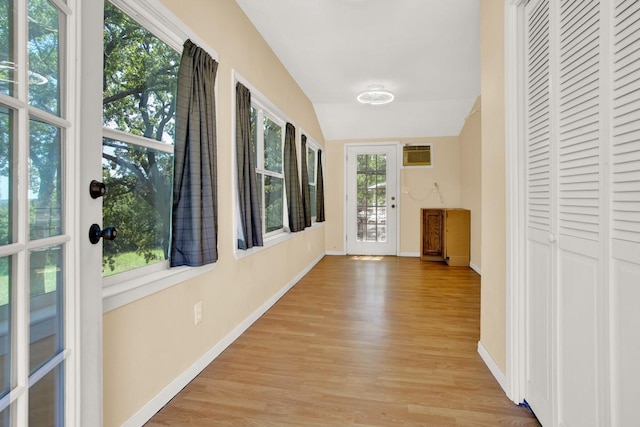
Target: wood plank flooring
[359,341]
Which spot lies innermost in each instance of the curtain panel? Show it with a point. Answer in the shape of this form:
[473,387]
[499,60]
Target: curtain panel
[195,210]
[292,181]
[249,211]
[306,197]
[319,190]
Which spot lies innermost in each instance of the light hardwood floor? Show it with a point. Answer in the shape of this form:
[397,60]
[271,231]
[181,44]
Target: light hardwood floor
[369,341]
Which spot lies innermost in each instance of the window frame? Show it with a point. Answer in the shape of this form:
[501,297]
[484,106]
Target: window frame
[123,288]
[264,113]
[273,238]
[312,145]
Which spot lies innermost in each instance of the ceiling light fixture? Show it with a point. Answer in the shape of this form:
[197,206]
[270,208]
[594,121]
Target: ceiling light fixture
[375,95]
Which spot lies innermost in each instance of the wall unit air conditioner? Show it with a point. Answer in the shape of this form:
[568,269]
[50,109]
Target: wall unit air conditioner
[416,155]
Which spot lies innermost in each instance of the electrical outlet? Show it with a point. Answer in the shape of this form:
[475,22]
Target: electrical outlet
[197,313]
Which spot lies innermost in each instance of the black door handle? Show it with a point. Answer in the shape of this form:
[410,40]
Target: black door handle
[97,189]
[109,233]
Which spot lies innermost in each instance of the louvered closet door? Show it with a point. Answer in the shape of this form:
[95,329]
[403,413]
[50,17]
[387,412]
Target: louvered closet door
[625,215]
[540,248]
[580,273]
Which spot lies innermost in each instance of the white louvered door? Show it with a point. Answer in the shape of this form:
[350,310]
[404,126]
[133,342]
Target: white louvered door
[582,138]
[540,247]
[581,283]
[625,214]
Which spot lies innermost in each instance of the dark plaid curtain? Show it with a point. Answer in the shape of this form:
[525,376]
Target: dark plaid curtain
[319,190]
[306,197]
[195,210]
[292,181]
[250,227]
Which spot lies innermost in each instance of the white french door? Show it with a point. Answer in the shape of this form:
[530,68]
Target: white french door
[42,349]
[372,205]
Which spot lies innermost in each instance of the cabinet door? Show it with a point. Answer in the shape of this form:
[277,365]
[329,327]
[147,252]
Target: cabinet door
[431,233]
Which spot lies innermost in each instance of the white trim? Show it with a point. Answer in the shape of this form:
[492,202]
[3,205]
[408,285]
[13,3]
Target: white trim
[475,268]
[493,366]
[335,253]
[62,6]
[274,241]
[157,18]
[515,193]
[126,292]
[87,120]
[138,141]
[49,118]
[409,254]
[257,97]
[170,391]
[53,363]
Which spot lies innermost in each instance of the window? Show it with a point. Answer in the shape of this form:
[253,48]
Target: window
[140,78]
[268,141]
[312,163]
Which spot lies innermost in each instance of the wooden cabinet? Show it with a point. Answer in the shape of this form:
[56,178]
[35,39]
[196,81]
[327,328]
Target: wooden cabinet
[445,236]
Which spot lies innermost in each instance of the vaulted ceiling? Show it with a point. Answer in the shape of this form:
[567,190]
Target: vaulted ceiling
[427,52]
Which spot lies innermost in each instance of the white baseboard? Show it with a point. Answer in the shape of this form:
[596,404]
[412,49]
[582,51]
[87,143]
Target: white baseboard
[335,253]
[493,366]
[475,268]
[410,254]
[170,391]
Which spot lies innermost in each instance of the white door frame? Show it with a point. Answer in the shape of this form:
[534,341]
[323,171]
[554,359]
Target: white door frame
[516,199]
[398,148]
[88,102]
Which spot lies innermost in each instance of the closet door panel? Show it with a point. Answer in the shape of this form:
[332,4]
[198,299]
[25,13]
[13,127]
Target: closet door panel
[579,212]
[625,378]
[577,358]
[540,249]
[625,214]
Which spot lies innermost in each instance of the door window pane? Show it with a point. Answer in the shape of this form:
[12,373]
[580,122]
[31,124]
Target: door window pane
[6,141]
[5,325]
[138,202]
[372,198]
[44,56]
[45,311]
[46,403]
[7,66]
[45,215]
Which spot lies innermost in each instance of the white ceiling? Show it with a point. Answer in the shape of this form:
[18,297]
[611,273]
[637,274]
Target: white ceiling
[427,52]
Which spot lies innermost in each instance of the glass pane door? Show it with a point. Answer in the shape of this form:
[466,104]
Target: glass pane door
[371,199]
[34,225]
[371,178]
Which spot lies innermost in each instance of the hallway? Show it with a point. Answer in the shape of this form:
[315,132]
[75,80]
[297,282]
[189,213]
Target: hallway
[359,341]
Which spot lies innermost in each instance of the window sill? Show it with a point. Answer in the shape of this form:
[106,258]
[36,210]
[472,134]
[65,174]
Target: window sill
[268,243]
[120,294]
[273,241]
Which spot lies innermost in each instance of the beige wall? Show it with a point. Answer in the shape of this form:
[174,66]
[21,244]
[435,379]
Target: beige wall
[418,183]
[493,294]
[471,177]
[150,342]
